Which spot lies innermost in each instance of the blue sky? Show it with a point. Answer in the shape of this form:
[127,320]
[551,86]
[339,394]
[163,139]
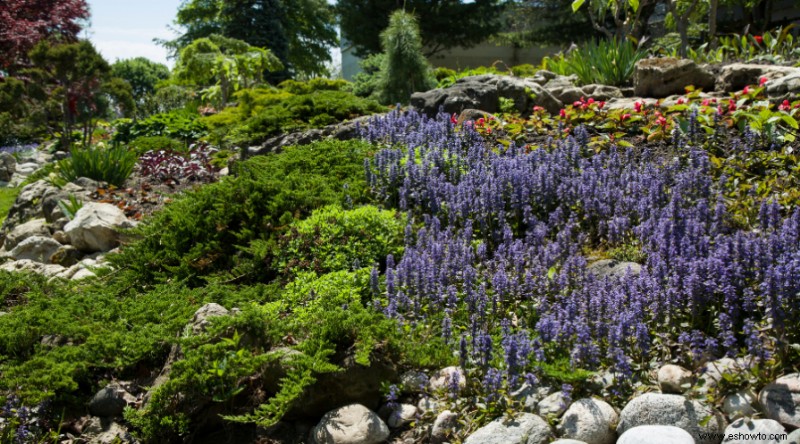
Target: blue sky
[122,29]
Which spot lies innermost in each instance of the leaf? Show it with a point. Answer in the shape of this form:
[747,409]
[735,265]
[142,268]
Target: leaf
[634,4]
[551,273]
[789,120]
[577,5]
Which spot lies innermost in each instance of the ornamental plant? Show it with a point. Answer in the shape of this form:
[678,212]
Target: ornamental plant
[405,69]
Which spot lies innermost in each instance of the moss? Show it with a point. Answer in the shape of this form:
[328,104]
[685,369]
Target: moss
[7,198]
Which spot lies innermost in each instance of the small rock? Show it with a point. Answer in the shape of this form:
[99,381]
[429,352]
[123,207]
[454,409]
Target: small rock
[674,379]
[590,420]
[711,373]
[530,396]
[656,434]
[568,441]
[113,434]
[740,404]
[60,237]
[8,165]
[793,438]
[614,269]
[202,317]
[427,404]
[66,256]
[525,428]
[781,400]
[675,410]
[444,424]
[351,424]
[83,273]
[553,406]
[108,402]
[34,227]
[402,415]
[445,378]
[35,248]
[753,431]
[413,382]
[784,88]
[96,227]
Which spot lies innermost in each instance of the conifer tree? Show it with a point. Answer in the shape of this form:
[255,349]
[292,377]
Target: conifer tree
[405,69]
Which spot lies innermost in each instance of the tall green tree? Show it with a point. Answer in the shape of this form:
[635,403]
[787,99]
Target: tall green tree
[221,65]
[405,69]
[299,32]
[142,74]
[443,24]
[76,78]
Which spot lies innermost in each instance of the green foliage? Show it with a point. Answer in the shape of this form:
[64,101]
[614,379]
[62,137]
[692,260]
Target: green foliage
[7,198]
[524,70]
[336,239]
[143,144]
[298,32]
[142,74]
[446,80]
[222,65]
[112,165]
[320,314]
[201,234]
[776,46]
[17,120]
[366,83]
[89,327]
[316,84]
[405,69]
[443,24]
[263,113]
[177,124]
[607,62]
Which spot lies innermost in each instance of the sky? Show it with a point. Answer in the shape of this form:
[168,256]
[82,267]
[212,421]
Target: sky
[122,29]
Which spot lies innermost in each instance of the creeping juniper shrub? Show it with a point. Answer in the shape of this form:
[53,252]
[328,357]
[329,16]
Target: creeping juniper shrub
[209,231]
[335,239]
[299,330]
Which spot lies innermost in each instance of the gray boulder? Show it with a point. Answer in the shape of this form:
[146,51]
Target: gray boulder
[30,266]
[526,94]
[478,92]
[35,248]
[781,400]
[753,431]
[664,76]
[351,424]
[563,88]
[33,227]
[413,382]
[674,379]
[401,415]
[96,227]
[784,88]
[110,401]
[525,428]
[741,403]
[658,409]
[8,165]
[444,424]
[591,420]
[656,434]
[736,76]
[602,92]
[552,406]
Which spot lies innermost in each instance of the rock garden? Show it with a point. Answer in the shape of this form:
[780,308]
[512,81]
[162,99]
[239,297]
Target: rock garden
[516,256]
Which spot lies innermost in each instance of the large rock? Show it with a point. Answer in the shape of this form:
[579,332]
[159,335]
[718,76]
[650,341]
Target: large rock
[525,428]
[443,426]
[754,431]
[675,410]
[33,227]
[674,379]
[736,76]
[526,94]
[351,424]
[478,92]
[661,77]
[784,88]
[96,227]
[793,438]
[656,434]
[8,165]
[781,400]
[591,420]
[35,248]
[602,92]
[564,89]
[29,266]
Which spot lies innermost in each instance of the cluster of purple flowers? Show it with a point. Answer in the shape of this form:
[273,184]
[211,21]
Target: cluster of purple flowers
[497,239]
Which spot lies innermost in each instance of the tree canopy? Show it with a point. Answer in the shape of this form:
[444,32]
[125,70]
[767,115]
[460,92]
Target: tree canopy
[142,74]
[443,23]
[298,32]
[23,23]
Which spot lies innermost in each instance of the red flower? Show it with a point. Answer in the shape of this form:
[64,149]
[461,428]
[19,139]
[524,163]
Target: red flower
[453,119]
[577,103]
[785,106]
[680,101]
[480,121]
[637,107]
[536,109]
[731,105]
[759,39]
[746,90]
[762,81]
[624,117]
[600,105]
[563,113]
